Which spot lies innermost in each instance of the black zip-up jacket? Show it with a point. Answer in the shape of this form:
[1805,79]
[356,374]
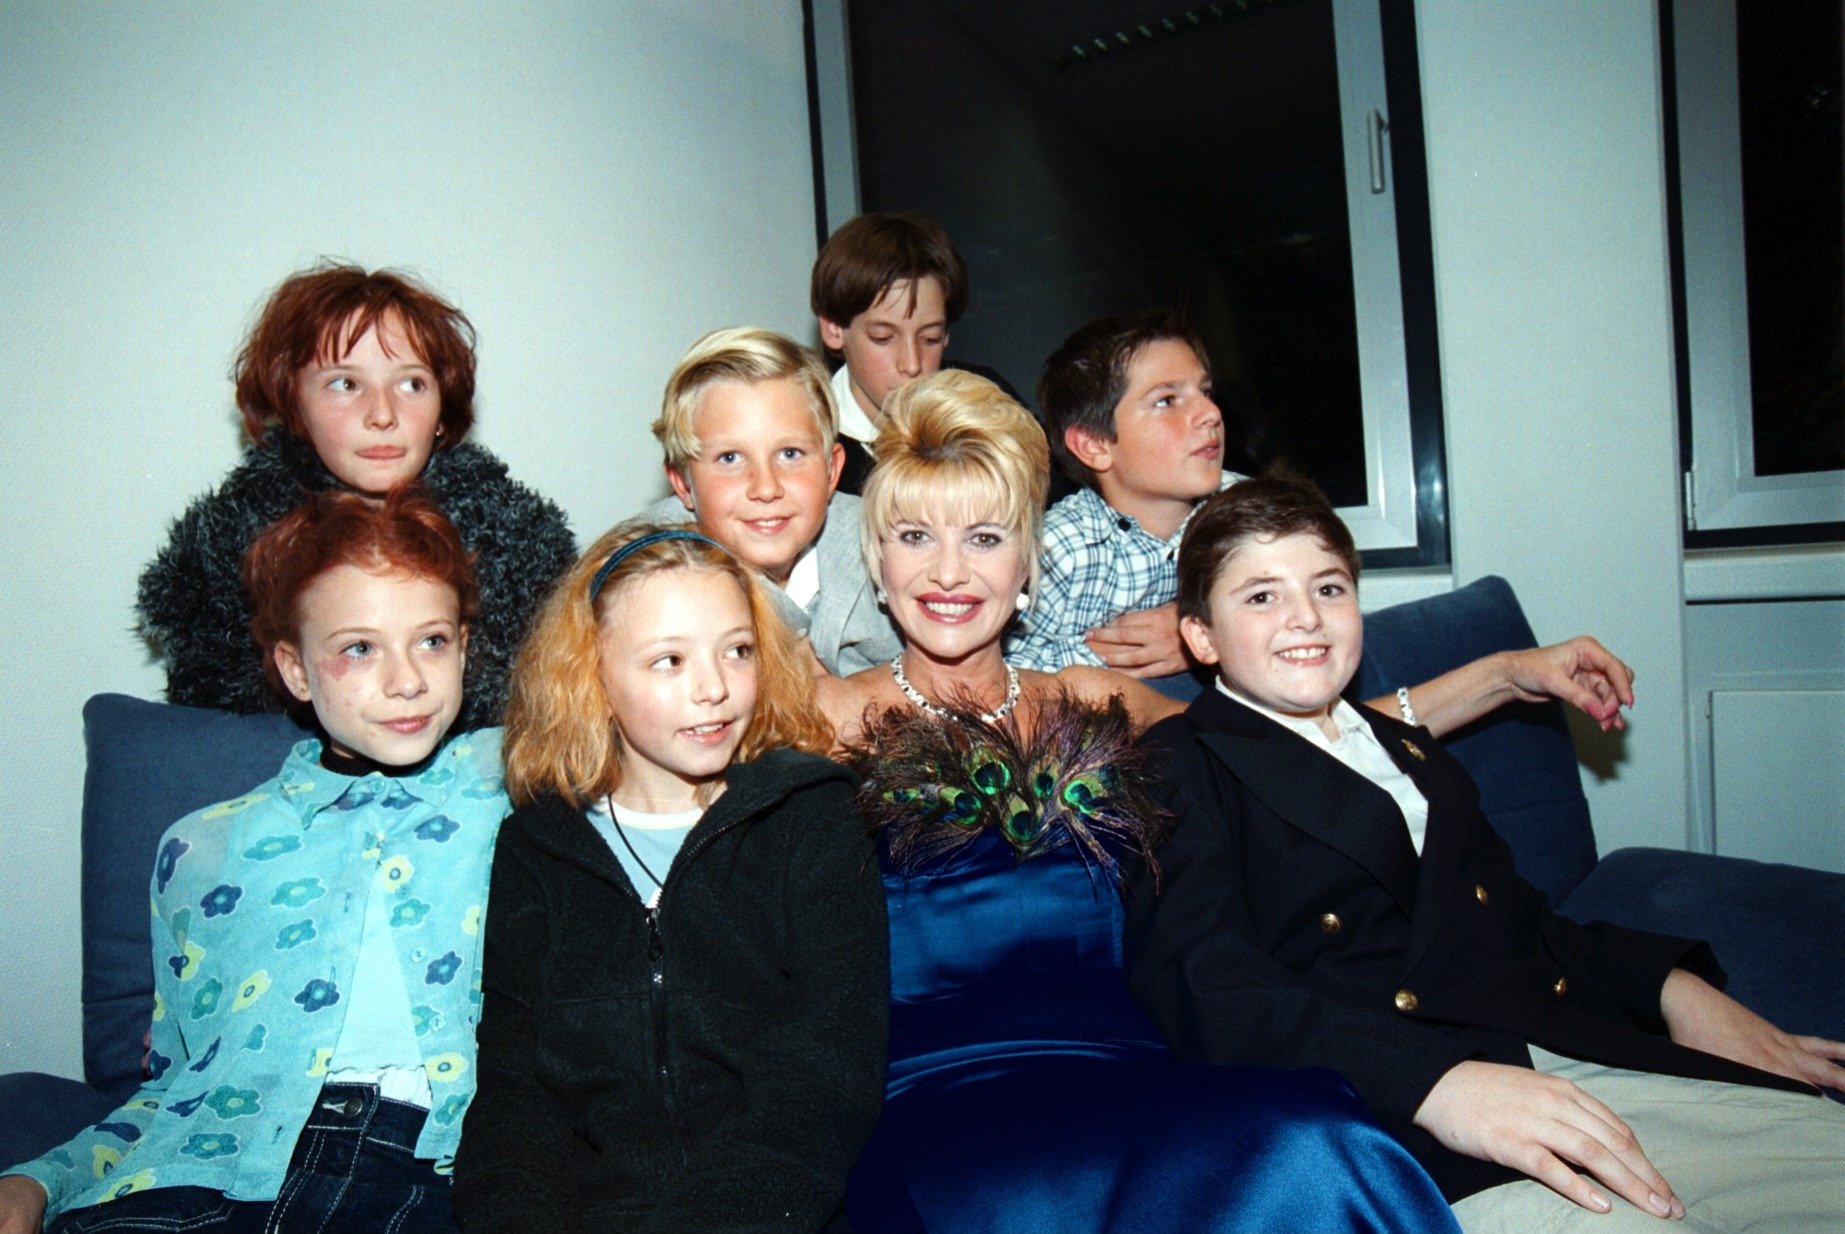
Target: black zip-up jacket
[713,1065]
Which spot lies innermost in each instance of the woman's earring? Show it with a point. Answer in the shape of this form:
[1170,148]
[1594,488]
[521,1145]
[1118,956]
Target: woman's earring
[883,597]
[440,429]
[1022,601]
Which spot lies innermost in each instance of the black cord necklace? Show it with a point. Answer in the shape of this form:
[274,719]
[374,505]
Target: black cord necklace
[629,845]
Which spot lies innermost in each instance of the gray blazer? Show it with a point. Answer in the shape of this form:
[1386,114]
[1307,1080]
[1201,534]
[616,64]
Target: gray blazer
[843,622]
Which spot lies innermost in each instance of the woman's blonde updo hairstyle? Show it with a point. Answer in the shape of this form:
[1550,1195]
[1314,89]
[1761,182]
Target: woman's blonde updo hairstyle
[956,438]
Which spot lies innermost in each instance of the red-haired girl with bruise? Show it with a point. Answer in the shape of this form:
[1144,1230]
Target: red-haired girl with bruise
[363,381]
[316,940]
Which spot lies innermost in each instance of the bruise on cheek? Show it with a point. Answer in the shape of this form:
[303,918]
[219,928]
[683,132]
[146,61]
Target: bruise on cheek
[335,667]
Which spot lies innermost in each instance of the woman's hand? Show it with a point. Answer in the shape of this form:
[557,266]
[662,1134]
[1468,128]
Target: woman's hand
[1701,1016]
[1580,672]
[1539,1125]
[22,1204]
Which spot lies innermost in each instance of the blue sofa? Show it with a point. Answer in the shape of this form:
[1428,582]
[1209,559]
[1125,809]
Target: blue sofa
[148,764]
[1778,929]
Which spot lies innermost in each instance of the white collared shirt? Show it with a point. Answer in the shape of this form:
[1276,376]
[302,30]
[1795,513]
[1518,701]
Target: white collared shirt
[1359,749]
[804,577]
[853,422]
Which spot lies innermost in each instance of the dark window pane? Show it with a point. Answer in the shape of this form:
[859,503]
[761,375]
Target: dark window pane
[1092,158]
[1788,55]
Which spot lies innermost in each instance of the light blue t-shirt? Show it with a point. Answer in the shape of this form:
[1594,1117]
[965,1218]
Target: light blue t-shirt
[645,844]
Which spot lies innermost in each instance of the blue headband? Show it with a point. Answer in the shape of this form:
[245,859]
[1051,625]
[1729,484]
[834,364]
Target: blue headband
[636,545]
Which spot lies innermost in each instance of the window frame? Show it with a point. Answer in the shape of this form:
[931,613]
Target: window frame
[1405,523]
[1725,503]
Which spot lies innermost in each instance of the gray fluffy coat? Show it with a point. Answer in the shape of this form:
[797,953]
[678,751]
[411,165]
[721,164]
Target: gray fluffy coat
[192,609]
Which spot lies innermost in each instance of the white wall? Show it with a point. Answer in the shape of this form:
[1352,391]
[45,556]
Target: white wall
[1547,202]
[595,184]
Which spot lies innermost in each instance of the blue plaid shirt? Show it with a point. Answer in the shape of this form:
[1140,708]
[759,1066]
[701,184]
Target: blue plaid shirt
[1097,564]
[259,906]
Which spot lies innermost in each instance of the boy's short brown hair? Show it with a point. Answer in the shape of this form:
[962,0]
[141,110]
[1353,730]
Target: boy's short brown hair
[872,252]
[1086,378]
[1277,503]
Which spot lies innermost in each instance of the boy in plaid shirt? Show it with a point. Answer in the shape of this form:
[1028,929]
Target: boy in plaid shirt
[1127,405]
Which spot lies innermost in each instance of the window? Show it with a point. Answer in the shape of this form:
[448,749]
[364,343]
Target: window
[1755,84]
[1241,160]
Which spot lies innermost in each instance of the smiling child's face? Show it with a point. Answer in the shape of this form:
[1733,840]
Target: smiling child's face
[1285,630]
[763,475]
[380,656]
[677,660]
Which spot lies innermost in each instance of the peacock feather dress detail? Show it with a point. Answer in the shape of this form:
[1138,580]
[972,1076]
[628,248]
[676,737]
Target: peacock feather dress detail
[1026,1090]
[932,787]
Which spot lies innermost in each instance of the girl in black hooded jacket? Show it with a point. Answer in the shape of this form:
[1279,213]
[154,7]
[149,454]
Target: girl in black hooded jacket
[685,973]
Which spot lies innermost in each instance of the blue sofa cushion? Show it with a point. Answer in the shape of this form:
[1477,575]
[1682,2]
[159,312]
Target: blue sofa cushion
[42,1111]
[149,765]
[1778,929]
[1520,755]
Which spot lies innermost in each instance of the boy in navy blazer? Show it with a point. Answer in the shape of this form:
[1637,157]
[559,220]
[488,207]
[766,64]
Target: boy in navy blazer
[1331,895]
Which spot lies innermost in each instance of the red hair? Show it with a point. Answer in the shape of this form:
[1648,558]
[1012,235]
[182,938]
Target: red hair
[403,534]
[317,315]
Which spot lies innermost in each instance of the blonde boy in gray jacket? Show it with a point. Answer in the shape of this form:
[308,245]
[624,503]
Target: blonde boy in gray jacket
[749,431]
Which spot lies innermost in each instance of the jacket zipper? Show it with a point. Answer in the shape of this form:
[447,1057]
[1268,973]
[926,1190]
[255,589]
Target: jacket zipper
[656,994]
[656,987]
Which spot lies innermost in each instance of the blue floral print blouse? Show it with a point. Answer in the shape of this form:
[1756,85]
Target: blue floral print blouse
[259,906]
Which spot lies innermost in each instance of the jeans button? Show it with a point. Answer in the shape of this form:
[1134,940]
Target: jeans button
[352,1107]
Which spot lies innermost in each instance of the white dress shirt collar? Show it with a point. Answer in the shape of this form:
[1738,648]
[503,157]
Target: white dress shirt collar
[853,422]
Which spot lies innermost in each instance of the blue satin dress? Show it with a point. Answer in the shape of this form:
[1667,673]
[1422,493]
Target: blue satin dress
[1028,1093]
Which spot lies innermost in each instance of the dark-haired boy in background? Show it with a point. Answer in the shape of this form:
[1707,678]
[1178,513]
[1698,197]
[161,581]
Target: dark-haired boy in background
[886,288]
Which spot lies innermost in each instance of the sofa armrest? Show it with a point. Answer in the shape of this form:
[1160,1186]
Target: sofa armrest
[43,1111]
[149,765]
[1778,930]
[1520,755]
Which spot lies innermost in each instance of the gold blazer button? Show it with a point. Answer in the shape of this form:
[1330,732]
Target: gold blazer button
[1479,893]
[1330,924]
[1407,1002]
[1560,987]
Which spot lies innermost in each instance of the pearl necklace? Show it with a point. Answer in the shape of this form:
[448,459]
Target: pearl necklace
[990,717]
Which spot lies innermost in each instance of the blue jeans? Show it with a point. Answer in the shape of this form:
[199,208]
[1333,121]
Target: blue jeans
[354,1170]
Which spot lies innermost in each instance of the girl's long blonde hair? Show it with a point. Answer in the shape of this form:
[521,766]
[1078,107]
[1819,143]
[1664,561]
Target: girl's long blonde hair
[559,736]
